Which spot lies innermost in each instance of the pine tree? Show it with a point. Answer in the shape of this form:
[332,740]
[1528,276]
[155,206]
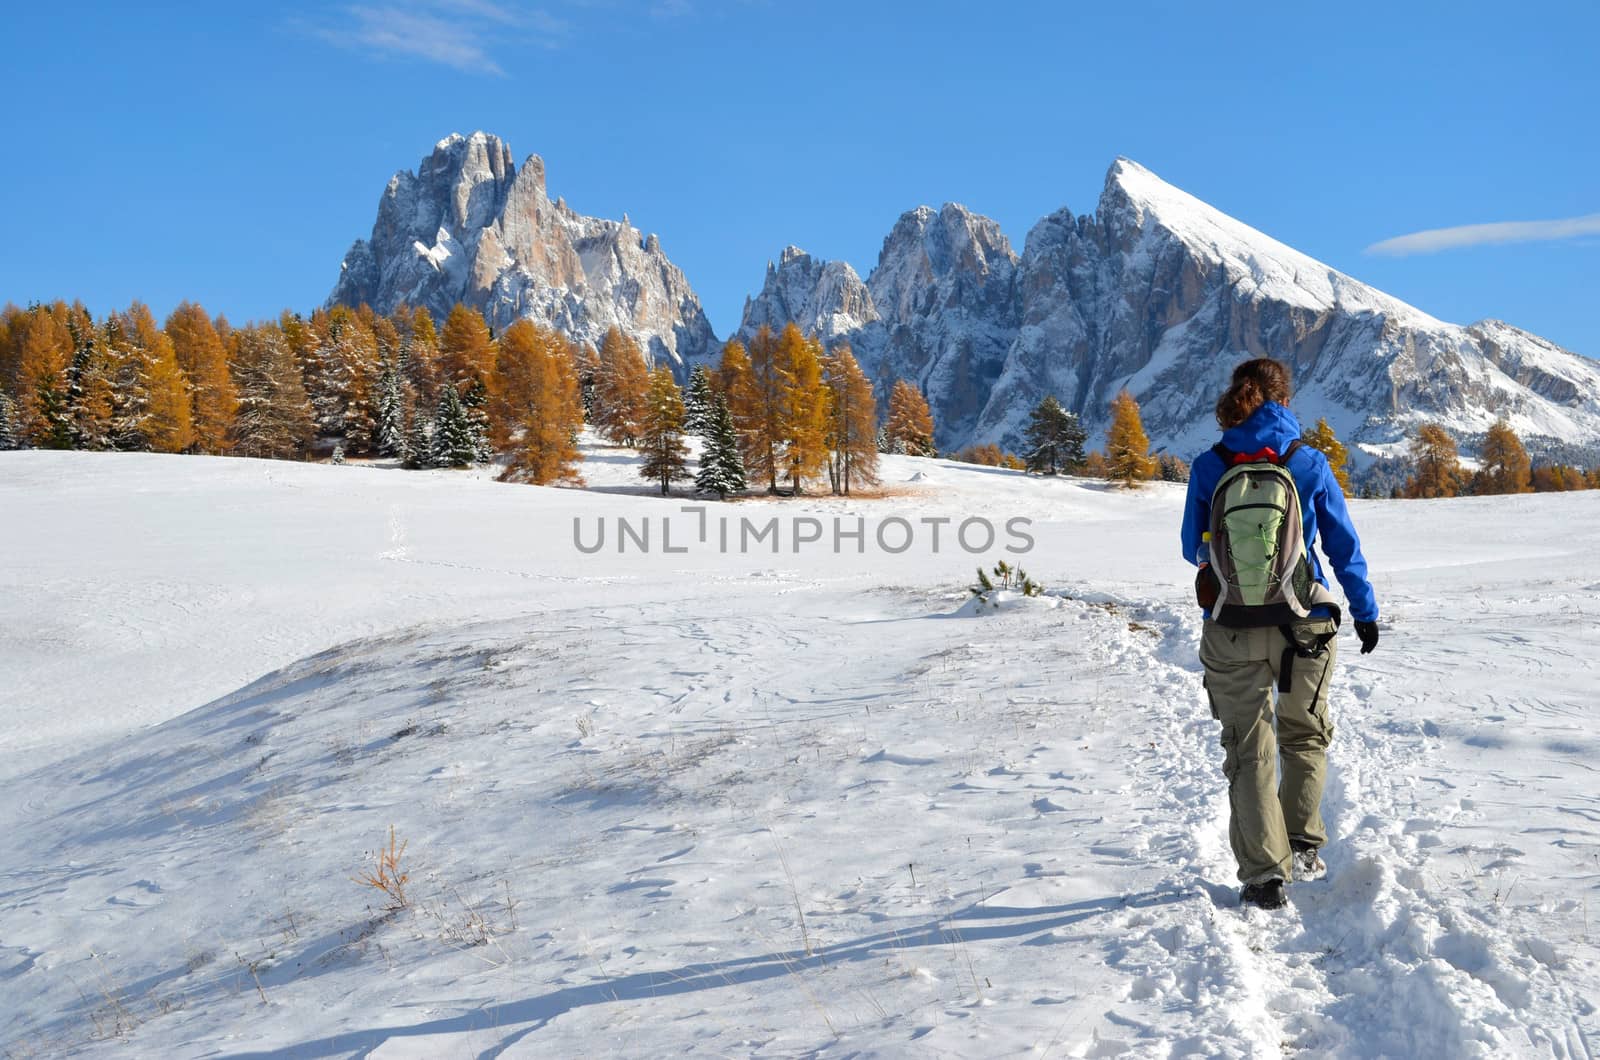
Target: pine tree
[274,417]
[1322,439]
[1055,439]
[10,434]
[538,410]
[807,411]
[1171,468]
[697,401]
[910,422]
[851,437]
[721,470]
[1506,468]
[342,379]
[453,442]
[89,397]
[1438,466]
[203,357]
[419,443]
[661,432]
[151,408]
[391,424]
[1127,446]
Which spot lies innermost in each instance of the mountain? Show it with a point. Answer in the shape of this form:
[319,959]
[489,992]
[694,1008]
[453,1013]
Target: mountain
[1162,294]
[469,226]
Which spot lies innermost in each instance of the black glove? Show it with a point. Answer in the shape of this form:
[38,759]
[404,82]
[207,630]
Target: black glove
[1368,632]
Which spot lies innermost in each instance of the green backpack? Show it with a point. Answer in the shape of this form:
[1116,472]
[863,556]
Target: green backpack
[1262,573]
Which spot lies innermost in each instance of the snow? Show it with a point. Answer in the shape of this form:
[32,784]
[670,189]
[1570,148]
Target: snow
[1276,270]
[769,804]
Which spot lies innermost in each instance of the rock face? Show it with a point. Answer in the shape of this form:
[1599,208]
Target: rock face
[1160,293]
[469,226]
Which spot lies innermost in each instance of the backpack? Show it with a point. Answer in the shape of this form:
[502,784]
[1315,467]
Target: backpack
[1259,566]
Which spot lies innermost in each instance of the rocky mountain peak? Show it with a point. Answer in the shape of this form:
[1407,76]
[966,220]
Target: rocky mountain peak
[468,226]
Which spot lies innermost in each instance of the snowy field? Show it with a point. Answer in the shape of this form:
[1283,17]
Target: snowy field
[756,804]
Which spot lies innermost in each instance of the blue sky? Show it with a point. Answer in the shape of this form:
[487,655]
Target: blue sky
[230,153]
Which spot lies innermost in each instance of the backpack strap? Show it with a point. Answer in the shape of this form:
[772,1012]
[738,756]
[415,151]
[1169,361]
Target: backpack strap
[1294,649]
[1225,453]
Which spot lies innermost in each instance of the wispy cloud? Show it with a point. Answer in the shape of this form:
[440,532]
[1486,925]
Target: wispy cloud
[454,33]
[1436,239]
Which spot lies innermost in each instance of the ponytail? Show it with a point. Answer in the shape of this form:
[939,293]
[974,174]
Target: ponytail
[1254,384]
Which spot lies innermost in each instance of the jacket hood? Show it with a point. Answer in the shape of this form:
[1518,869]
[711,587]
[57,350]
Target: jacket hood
[1271,424]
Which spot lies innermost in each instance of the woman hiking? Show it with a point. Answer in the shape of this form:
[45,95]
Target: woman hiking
[1267,645]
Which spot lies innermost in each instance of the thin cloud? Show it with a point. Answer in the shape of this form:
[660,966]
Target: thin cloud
[453,33]
[1434,240]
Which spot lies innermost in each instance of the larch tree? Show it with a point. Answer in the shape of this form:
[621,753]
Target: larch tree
[909,426]
[419,343]
[721,469]
[1127,445]
[41,349]
[805,439]
[274,418]
[466,351]
[537,409]
[1438,465]
[201,354]
[1322,439]
[1055,439]
[1506,467]
[762,414]
[621,388]
[661,432]
[852,422]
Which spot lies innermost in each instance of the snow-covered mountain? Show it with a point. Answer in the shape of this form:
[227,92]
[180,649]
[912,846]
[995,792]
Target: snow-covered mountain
[469,226]
[1161,293]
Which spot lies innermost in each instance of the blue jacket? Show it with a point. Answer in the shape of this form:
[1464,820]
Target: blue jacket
[1321,502]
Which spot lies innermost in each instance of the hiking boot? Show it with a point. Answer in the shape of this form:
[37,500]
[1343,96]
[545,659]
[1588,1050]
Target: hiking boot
[1268,894]
[1307,864]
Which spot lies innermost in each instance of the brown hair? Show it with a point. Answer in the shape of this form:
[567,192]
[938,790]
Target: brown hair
[1254,384]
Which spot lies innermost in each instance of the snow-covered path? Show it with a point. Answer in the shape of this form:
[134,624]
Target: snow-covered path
[793,806]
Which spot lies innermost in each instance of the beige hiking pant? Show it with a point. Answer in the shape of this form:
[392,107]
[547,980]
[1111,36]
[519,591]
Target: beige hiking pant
[1242,680]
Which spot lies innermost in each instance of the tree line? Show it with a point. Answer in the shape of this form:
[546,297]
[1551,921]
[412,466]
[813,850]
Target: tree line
[780,411]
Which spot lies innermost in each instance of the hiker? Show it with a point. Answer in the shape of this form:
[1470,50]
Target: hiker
[1271,621]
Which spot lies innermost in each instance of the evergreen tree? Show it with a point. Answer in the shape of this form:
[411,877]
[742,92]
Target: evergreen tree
[910,422]
[89,398]
[1172,468]
[391,426]
[10,435]
[1438,466]
[274,417]
[721,470]
[454,444]
[1127,446]
[150,400]
[419,443]
[1055,439]
[852,410]
[1506,468]
[697,401]
[661,433]
[1322,439]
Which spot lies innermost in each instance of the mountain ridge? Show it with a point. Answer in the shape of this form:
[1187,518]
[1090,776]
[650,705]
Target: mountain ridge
[1155,291]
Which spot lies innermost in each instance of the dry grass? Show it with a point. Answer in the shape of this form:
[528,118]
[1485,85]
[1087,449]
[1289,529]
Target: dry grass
[387,875]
